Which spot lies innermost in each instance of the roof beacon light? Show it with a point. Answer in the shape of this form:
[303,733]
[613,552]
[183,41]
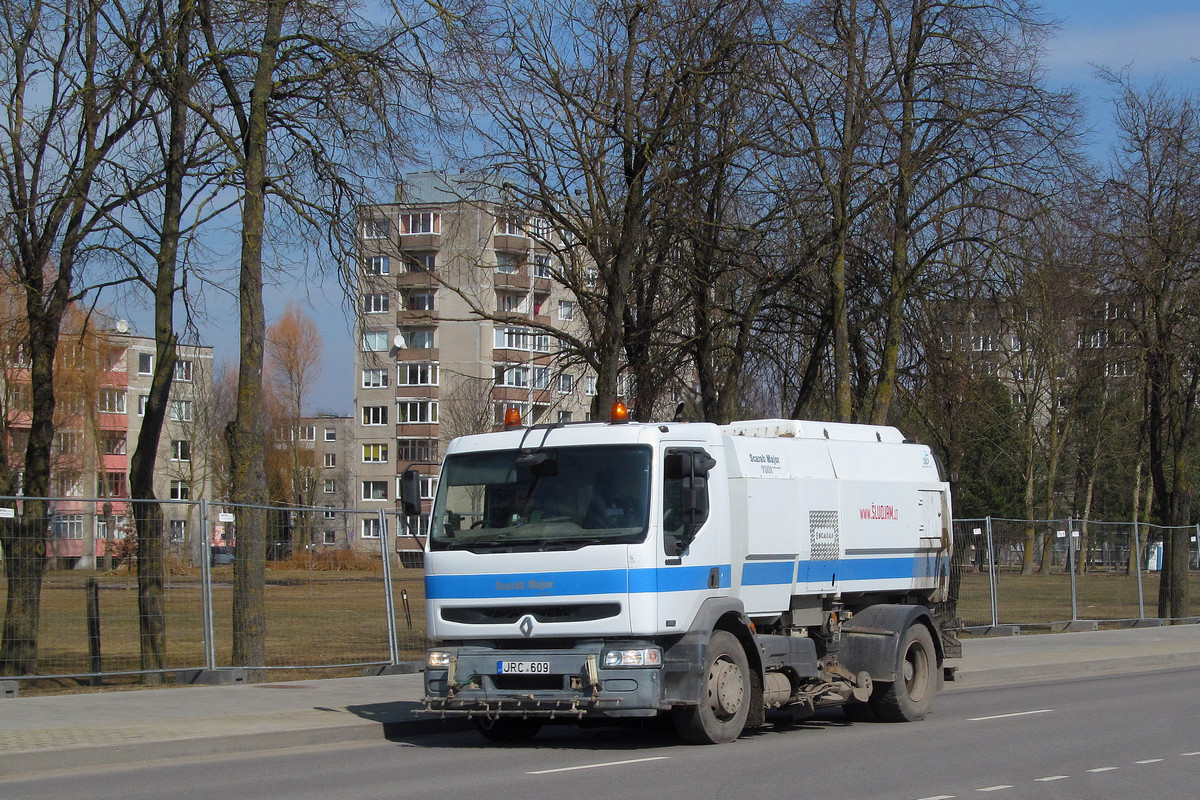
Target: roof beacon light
[512,418]
[619,412]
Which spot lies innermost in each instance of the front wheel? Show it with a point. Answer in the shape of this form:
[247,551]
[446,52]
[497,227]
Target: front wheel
[725,695]
[910,696]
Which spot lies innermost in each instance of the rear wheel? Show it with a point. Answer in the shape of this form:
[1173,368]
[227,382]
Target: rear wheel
[910,696]
[725,695]
[508,729]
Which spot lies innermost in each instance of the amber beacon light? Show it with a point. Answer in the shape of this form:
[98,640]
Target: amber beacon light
[512,418]
[619,412]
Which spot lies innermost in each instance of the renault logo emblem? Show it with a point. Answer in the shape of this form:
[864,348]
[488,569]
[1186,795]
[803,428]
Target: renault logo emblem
[526,626]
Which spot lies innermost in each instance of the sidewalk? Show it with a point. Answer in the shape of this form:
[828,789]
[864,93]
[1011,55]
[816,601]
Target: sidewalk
[39,734]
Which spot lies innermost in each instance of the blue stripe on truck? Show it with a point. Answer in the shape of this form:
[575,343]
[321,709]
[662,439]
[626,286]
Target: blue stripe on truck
[675,579]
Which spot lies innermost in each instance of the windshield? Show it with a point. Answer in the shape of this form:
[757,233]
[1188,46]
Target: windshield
[560,498]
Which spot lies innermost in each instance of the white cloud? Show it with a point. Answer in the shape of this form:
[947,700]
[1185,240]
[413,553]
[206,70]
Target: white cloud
[1164,44]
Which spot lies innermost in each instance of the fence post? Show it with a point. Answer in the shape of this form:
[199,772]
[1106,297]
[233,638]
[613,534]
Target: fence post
[1137,563]
[1071,566]
[206,600]
[389,606]
[991,561]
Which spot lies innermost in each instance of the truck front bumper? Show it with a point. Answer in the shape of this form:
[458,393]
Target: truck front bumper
[569,683]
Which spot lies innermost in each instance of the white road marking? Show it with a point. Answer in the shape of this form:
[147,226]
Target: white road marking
[1049,778]
[1148,761]
[595,766]
[994,788]
[1197,753]
[1016,714]
[939,797]
[1103,769]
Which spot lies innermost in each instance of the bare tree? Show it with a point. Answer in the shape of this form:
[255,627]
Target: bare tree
[1152,227]
[73,97]
[310,98]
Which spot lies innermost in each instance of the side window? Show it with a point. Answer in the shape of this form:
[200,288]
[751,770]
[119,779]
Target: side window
[685,496]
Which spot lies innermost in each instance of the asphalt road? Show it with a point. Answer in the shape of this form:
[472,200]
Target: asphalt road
[1117,736]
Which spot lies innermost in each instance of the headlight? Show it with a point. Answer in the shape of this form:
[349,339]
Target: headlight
[634,657]
[438,659]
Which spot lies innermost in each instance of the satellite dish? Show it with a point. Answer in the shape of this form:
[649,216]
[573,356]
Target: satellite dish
[399,341]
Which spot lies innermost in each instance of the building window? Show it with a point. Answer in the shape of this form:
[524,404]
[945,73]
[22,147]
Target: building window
[375,341]
[330,460]
[420,222]
[416,450]
[329,537]
[111,401]
[308,433]
[420,262]
[541,266]
[183,371]
[417,339]
[418,411]
[566,384]
[113,443]
[509,302]
[539,228]
[68,442]
[371,528]
[113,484]
[181,450]
[181,490]
[513,377]
[564,417]
[418,374]
[566,309]
[331,434]
[375,303]
[329,513]
[374,490]
[377,265]
[145,363]
[420,300]
[510,225]
[375,454]
[374,415]
[142,400]
[377,228]
[181,410]
[329,486]
[541,377]
[374,379]
[178,530]
[508,263]
[589,386]
[68,526]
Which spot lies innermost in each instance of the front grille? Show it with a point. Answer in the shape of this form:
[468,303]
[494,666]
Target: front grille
[501,615]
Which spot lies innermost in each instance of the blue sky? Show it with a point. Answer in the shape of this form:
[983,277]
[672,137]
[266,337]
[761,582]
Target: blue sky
[1152,38]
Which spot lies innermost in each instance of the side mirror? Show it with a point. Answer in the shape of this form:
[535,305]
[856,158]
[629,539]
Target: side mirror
[410,493]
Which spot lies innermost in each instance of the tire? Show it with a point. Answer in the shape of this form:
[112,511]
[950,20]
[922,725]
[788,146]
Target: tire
[910,696]
[725,695]
[508,729]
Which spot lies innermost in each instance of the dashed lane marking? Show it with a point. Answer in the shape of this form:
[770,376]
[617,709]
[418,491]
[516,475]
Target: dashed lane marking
[1049,778]
[1103,769]
[1149,761]
[1001,787]
[1014,714]
[597,766]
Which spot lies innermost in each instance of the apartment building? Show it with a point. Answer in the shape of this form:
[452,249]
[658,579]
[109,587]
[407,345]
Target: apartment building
[105,378]
[458,312]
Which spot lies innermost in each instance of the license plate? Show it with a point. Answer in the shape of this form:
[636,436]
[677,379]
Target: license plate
[523,667]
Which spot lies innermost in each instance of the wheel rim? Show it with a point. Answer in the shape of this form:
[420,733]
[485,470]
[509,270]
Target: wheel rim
[916,672]
[726,689]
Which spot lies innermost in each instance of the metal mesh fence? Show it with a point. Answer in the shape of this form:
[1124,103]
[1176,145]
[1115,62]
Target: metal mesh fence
[1047,572]
[330,597]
